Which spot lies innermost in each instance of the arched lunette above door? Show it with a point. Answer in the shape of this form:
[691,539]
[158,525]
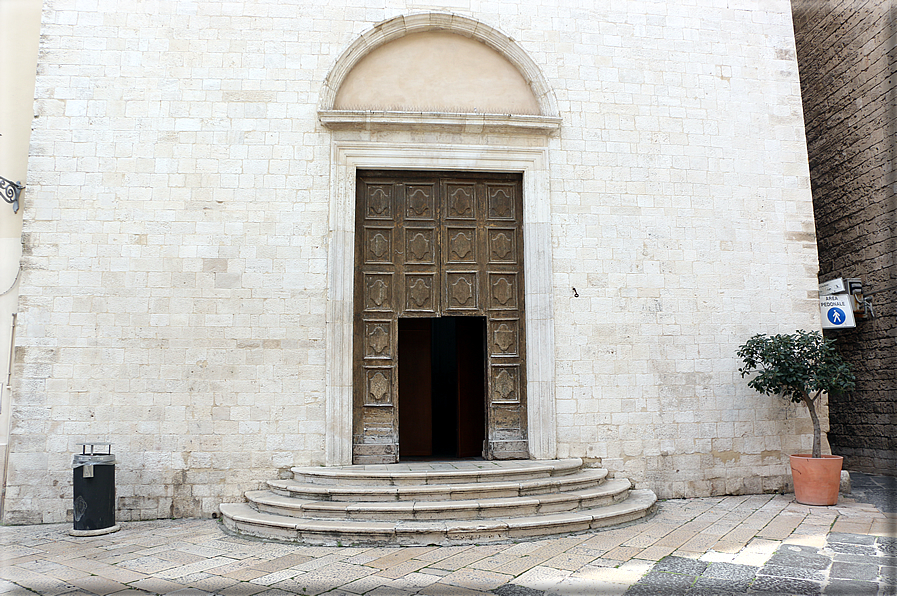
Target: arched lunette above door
[464,75]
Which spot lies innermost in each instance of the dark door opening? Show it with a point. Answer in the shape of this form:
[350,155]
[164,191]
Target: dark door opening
[442,387]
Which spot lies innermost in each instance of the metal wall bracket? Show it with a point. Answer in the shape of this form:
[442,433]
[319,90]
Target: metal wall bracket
[10,191]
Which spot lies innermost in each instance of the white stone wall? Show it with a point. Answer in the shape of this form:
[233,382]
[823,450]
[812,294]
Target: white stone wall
[176,271]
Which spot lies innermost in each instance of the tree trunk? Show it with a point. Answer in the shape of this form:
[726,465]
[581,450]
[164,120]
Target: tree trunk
[817,430]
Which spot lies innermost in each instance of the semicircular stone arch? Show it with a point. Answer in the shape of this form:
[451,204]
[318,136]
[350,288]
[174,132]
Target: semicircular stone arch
[430,37]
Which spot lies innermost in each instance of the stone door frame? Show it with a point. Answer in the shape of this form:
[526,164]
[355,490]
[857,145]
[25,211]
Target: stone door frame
[350,156]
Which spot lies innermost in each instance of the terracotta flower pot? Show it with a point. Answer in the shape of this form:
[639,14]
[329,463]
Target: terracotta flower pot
[816,479]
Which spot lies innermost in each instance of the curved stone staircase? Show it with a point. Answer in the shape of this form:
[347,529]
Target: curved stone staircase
[437,502]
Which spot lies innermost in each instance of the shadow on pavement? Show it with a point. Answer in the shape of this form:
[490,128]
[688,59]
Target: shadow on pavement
[877,490]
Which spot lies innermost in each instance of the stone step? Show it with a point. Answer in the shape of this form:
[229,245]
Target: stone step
[430,473]
[581,480]
[437,502]
[242,518]
[608,493]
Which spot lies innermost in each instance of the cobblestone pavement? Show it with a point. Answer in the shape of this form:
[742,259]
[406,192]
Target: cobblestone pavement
[763,544]
[880,491]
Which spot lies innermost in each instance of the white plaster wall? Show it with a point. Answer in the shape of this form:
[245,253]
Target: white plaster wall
[19,33]
[175,286]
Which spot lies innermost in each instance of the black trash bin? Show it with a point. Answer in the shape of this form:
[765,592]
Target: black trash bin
[93,478]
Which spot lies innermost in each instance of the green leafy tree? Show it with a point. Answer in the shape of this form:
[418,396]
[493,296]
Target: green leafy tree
[798,366]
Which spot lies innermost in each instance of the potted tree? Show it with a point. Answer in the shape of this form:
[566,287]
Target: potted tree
[801,366]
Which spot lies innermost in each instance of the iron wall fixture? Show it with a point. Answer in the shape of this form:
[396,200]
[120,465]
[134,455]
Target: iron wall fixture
[11,191]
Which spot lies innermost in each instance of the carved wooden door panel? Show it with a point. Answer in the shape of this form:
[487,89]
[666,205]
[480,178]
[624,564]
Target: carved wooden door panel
[430,245]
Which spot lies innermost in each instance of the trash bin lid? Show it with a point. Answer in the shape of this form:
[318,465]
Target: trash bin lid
[99,458]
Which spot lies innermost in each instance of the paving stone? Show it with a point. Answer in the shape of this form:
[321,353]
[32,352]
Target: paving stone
[807,537]
[602,562]
[366,584]
[148,564]
[757,552]
[276,576]
[244,575]
[655,553]
[208,582]
[386,591]
[856,571]
[301,562]
[569,561]
[667,582]
[852,549]
[887,544]
[327,578]
[596,576]
[578,587]
[443,552]
[712,556]
[476,579]
[799,560]
[623,553]
[402,569]
[797,549]
[717,584]
[397,556]
[841,587]
[466,556]
[98,585]
[644,590]
[242,589]
[177,556]
[785,585]
[113,572]
[41,566]
[156,585]
[515,590]
[842,558]
[66,573]
[415,581]
[41,585]
[542,578]
[681,565]
[440,589]
[850,538]
[731,571]
[793,572]
[708,592]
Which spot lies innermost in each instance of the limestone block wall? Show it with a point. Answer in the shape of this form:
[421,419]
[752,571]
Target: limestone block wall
[175,287]
[846,55]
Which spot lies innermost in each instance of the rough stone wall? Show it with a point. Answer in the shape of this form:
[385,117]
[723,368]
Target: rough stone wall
[175,282]
[847,57]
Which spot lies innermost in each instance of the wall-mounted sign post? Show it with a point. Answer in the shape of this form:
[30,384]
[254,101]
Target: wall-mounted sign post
[837,312]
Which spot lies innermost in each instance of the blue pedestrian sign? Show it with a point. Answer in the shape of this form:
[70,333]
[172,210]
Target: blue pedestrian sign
[836,312]
[836,316]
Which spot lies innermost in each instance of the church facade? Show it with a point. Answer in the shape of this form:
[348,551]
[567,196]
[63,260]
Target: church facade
[273,234]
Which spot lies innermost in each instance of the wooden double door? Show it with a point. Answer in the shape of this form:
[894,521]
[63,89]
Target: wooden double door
[439,355]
